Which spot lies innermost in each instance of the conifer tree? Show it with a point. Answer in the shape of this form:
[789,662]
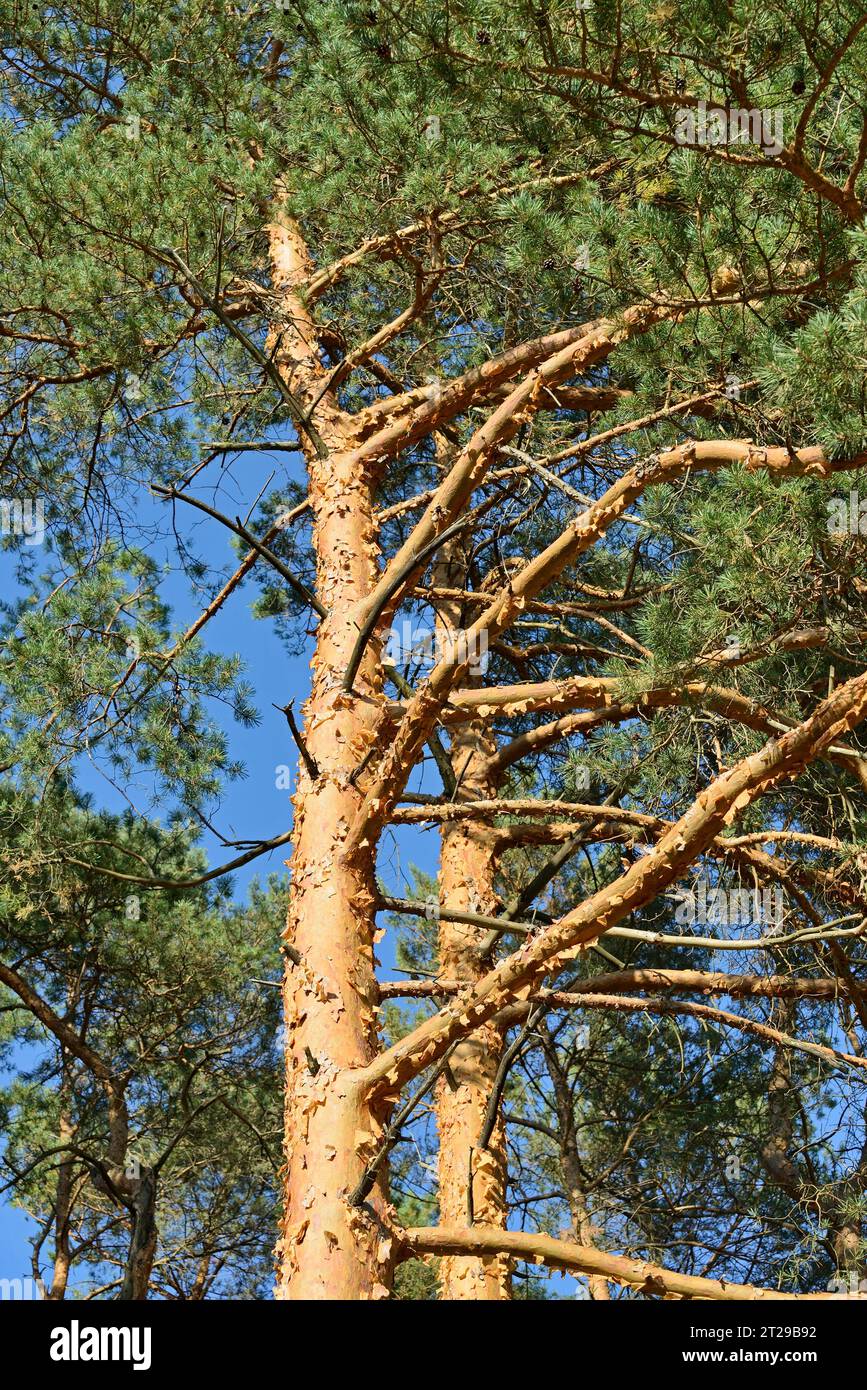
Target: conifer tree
[561,308]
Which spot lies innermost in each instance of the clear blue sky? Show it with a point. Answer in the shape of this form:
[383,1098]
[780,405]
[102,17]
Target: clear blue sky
[253,806]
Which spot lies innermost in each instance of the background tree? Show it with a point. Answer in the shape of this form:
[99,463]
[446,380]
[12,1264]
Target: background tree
[142,1129]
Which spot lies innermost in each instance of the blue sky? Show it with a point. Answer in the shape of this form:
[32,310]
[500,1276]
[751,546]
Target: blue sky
[253,806]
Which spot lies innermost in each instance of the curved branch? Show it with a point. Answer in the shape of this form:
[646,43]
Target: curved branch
[169,883]
[387,591]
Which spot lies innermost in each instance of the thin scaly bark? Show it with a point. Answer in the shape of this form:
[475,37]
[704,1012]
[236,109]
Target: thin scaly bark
[327,1248]
[467,881]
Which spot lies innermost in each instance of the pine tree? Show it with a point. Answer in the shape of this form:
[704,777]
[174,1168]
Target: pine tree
[562,308]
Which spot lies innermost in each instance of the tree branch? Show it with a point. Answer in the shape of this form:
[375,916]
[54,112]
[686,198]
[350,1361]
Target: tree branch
[649,1278]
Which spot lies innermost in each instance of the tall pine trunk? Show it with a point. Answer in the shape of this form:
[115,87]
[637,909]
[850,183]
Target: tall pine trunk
[467,883]
[329,1249]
